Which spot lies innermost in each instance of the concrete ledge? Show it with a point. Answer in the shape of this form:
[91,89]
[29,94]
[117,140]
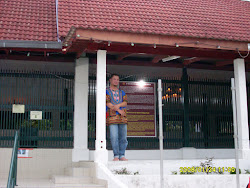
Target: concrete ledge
[187,181]
[174,154]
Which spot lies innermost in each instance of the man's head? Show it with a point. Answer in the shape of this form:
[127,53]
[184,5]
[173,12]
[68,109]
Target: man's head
[114,80]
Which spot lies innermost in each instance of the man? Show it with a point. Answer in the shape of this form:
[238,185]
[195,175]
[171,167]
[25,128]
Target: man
[116,102]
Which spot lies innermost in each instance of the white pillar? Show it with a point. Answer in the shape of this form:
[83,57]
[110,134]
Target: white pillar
[241,107]
[101,153]
[80,150]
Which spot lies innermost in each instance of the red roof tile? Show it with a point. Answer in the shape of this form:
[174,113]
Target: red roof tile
[28,20]
[36,20]
[218,19]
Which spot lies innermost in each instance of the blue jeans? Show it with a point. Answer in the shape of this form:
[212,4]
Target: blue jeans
[118,138]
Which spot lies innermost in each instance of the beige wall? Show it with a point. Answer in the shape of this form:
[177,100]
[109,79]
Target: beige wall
[43,164]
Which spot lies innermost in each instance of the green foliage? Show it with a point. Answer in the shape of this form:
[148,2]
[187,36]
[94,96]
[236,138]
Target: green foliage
[40,124]
[247,171]
[124,171]
[174,172]
[91,126]
[136,173]
[207,164]
[69,124]
[173,125]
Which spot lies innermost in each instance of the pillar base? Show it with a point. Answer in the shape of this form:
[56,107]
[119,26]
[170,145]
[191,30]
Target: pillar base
[244,153]
[101,156]
[188,153]
[80,155]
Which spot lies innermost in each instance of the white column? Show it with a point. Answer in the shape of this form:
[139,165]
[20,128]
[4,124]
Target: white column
[241,107]
[101,153]
[80,150]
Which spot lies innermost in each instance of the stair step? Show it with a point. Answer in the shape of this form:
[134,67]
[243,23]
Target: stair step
[79,186]
[65,186]
[89,164]
[78,171]
[72,180]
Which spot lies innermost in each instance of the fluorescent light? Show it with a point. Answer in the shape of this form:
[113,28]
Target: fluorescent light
[170,58]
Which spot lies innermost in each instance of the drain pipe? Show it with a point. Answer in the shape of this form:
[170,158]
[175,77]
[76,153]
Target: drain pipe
[160,132]
[235,131]
[57,30]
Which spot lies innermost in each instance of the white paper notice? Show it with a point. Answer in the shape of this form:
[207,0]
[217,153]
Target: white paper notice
[18,108]
[36,115]
[23,153]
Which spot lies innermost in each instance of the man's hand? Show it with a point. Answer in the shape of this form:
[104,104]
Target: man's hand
[116,107]
[110,105]
[122,112]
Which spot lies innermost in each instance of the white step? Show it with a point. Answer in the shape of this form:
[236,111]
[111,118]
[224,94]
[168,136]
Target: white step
[79,186]
[64,186]
[89,164]
[78,171]
[72,180]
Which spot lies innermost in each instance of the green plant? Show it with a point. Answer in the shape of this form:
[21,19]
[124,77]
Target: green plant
[234,172]
[124,171]
[207,164]
[69,125]
[136,173]
[247,171]
[91,126]
[174,172]
[40,124]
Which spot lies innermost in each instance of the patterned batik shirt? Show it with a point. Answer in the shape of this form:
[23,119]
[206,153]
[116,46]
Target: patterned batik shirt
[115,97]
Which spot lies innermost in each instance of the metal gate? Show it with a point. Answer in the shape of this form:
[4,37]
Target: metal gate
[49,93]
[196,113]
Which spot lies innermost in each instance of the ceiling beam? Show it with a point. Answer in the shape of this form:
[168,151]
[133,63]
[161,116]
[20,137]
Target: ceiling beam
[191,60]
[122,56]
[155,40]
[38,58]
[169,64]
[158,58]
[171,51]
[223,63]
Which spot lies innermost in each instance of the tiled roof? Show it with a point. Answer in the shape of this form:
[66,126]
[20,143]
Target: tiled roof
[218,19]
[36,20]
[28,20]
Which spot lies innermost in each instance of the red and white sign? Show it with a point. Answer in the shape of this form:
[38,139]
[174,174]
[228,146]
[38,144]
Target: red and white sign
[140,109]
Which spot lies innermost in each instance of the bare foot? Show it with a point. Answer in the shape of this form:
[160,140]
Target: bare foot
[115,159]
[123,159]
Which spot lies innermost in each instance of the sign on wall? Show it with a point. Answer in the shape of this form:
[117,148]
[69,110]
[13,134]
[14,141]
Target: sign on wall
[140,109]
[23,153]
[36,115]
[18,108]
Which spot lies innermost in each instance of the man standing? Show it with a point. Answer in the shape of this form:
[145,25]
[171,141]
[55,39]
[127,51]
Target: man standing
[116,102]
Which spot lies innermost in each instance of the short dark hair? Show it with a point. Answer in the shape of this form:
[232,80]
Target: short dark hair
[112,75]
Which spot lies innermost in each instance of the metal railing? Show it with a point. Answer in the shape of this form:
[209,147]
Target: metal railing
[50,93]
[207,123]
[13,165]
[205,120]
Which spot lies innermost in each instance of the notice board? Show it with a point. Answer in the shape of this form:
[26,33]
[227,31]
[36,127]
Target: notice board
[141,108]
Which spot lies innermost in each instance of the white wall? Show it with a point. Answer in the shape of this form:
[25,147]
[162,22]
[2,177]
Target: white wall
[43,164]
